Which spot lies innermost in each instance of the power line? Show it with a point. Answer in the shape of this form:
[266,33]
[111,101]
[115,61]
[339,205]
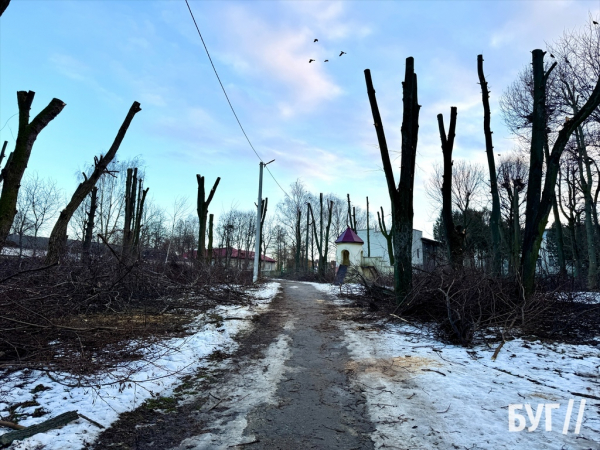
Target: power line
[227,97]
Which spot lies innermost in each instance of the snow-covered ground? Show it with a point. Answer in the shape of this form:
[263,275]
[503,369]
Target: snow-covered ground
[158,377]
[422,394]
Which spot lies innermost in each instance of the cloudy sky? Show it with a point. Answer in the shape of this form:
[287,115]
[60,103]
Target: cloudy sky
[313,119]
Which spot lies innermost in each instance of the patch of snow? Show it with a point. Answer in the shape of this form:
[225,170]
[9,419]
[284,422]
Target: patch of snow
[103,403]
[424,394]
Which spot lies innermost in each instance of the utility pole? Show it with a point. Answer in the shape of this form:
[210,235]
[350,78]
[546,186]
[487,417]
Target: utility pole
[258,217]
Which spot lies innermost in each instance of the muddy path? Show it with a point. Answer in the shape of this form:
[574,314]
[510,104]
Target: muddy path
[285,387]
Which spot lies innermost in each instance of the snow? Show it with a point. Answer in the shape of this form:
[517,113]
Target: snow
[423,394]
[252,387]
[177,357]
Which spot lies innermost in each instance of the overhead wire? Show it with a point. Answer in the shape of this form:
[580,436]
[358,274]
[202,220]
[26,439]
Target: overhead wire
[229,101]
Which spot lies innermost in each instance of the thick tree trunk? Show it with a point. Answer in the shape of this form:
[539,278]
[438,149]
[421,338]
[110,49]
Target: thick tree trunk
[263,215]
[401,197]
[58,238]
[455,236]
[17,161]
[89,227]
[540,209]
[210,238]
[202,210]
[368,230]
[298,241]
[489,149]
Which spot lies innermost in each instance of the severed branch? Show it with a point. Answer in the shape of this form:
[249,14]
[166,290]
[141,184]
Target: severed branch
[58,421]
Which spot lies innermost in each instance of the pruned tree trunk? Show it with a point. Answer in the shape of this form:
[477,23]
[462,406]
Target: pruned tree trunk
[210,238]
[298,241]
[368,230]
[263,215]
[538,209]
[322,245]
[135,197]
[58,238]
[585,181]
[401,197]
[89,227]
[489,149]
[388,236]
[17,161]
[455,236]
[307,231]
[202,209]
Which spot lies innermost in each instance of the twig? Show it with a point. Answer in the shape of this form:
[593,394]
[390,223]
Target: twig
[255,441]
[431,370]
[14,426]
[27,271]
[442,412]
[91,421]
[497,351]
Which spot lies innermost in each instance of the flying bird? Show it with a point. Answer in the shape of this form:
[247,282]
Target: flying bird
[342,53]
[310,60]
[326,60]
[316,40]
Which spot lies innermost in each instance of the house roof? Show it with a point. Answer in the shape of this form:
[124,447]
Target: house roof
[349,237]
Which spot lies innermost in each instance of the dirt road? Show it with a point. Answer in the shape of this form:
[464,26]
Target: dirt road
[284,387]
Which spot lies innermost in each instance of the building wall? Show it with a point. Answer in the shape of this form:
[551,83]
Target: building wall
[355,250]
[379,246]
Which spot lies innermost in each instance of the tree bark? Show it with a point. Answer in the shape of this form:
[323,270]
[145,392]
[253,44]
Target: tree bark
[401,197]
[16,164]
[489,149]
[540,209]
[58,238]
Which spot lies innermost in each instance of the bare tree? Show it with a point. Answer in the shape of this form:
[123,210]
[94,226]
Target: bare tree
[42,199]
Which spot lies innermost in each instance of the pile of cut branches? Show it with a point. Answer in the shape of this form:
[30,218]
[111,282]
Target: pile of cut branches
[81,318]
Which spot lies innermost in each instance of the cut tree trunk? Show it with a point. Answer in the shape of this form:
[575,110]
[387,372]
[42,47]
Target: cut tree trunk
[536,219]
[89,227]
[489,149]
[58,238]
[202,209]
[455,236]
[17,161]
[401,196]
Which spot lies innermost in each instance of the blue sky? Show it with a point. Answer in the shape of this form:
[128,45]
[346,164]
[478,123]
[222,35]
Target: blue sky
[313,119]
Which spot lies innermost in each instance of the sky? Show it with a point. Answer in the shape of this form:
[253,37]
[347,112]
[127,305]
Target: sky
[313,119]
